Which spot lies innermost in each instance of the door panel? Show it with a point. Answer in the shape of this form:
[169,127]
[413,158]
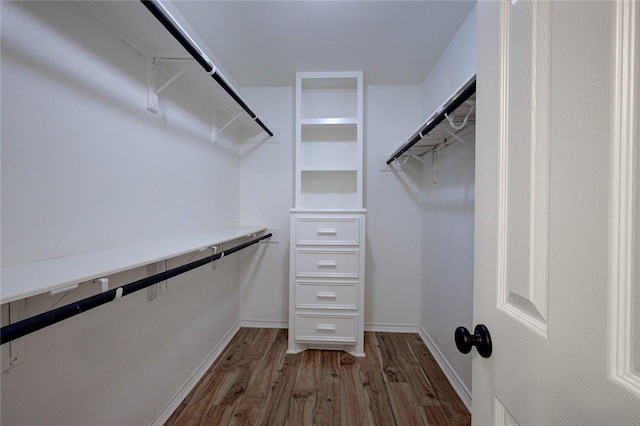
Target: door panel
[556,243]
[524,156]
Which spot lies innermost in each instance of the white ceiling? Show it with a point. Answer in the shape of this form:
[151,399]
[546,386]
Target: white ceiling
[263,43]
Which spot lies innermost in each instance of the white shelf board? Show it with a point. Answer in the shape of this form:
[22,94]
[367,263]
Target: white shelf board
[30,279]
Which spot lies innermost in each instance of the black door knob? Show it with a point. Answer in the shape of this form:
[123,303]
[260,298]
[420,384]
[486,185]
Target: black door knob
[481,339]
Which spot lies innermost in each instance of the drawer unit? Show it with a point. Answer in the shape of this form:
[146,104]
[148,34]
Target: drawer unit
[326,295]
[327,263]
[326,280]
[325,328]
[329,231]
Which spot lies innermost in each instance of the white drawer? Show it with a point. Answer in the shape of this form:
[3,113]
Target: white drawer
[327,263]
[326,328]
[337,231]
[315,295]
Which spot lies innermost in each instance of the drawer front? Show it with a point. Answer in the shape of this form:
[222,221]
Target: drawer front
[327,263]
[337,231]
[315,295]
[326,328]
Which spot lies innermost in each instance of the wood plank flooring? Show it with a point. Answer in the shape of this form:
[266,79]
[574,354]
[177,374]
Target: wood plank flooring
[255,382]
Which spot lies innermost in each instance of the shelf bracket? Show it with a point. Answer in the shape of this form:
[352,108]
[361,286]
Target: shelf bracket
[418,159]
[17,312]
[214,250]
[458,138]
[217,131]
[152,78]
[434,161]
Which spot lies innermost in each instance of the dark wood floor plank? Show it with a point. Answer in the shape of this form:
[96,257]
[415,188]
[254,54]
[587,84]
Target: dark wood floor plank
[422,387]
[444,394]
[261,342]
[278,401]
[246,365]
[414,373]
[352,399]
[255,382]
[199,401]
[247,411]
[400,342]
[328,400]
[377,399]
[436,416]
[305,388]
[390,364]
[236,350]
[237,387]
[217,415]
[372,360]
[404,404]
[250,408]
[263,378]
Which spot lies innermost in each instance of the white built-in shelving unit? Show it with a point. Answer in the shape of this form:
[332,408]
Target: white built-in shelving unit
[328,222]
[329,140]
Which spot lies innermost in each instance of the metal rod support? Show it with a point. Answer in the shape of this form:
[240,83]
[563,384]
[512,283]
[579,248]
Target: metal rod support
[178,33]
[466,94]
[38,322]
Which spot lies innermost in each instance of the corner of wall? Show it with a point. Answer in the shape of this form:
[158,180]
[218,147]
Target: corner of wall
[454,68]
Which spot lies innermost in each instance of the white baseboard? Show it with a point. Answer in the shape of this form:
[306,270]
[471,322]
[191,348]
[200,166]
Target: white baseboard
[166,412]
[391,328]
[264,324]
[384,328]
[453,378]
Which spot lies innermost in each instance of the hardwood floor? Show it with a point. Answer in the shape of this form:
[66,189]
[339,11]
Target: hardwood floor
[254,382]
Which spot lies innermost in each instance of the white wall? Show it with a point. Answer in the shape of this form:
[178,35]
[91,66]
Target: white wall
[393,211]
[447,216]
[447,252]
[266,195]
[73,181]
[86,167]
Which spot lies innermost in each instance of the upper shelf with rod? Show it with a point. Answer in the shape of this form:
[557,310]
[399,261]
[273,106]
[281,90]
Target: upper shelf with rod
[166,46]
[163,16]
[442,126]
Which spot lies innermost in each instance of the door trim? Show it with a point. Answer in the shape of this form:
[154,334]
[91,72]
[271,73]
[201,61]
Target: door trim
[624,178]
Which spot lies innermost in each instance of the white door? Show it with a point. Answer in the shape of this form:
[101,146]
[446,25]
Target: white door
[557,213]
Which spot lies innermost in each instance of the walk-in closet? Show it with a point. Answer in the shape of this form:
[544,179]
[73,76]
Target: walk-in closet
[319,212]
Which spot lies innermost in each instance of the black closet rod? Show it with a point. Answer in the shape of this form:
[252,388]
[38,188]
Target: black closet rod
[186,42]
[466,94]
[38,322]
